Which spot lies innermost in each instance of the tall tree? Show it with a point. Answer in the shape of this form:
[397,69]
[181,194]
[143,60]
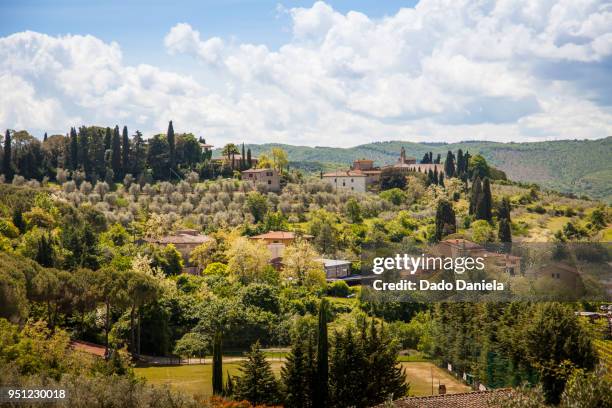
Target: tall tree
[504,209]
[125,151]
[475,194]
[108,137]
[171,146]
[460,163]
[484,203]
[243,159]
[217,368]
[505,232]
[249,159]
[116,153]
[138,155]
[321,390]
[45,137]
[449,165]
[445,220]
[74,149]
[7,165]
[296,377]
[83,150]
[256,383]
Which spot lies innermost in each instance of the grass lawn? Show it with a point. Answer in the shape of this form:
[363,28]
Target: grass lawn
[418,374]
[196,378]
[192,379]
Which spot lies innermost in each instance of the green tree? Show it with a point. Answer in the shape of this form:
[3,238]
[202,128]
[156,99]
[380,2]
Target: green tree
[108,138]
[171,146]
[217,368]
[296,376]
[475,194]
[174,261]
[588,389]
[125,151]
[256,382]
[157,157]
[478,167]
[74,149]
[485,202]
[249,159]
[445,220]
[504,233]
[257,205]
[116,154]
[321,385]
[83,150]
[353,210]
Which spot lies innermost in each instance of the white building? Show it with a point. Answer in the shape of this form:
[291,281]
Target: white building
[352,180]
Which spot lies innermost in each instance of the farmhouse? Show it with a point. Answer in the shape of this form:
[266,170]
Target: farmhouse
[277,241]
[266,177]
[185,241]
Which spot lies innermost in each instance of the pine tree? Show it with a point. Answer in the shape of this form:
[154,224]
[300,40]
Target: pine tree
[7,167]
[217,368]
[171,146]
[445,220]
[321,390]
[295,377]
[138,155]
[74,149]
[125,151]
[349,372]
[449,164]
[476,192]
[116,153]
[484,203]
[256,383]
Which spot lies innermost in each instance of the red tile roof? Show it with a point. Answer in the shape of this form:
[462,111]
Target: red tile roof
[279,235]
[477,399]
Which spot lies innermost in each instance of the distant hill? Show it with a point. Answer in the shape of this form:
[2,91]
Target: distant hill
[576,166]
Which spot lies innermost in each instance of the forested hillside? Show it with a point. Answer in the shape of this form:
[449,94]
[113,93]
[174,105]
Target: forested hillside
[576,166]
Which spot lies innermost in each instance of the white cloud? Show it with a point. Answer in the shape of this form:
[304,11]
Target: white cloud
[445,70]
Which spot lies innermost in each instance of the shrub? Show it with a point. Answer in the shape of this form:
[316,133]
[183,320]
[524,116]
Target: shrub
[338,289]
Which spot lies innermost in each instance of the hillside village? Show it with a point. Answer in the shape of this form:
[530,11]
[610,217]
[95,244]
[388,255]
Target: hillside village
[132,253]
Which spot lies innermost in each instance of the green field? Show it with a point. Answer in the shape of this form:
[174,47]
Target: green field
[196,378]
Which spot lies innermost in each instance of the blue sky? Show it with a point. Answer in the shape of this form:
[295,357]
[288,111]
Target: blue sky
[317,73]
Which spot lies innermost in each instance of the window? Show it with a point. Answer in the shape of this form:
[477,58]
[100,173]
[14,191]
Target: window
[352,188]
[269,182]
[335,180]
[352,180]
[343,183]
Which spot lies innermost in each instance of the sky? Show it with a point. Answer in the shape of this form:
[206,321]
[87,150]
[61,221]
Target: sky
[336,73]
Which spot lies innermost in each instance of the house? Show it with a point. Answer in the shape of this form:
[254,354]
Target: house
[277,241]
[561,272]
[185,241]
[336,268]
[455,248]
[351,180]
[476,399]
[268,177]
[205,146]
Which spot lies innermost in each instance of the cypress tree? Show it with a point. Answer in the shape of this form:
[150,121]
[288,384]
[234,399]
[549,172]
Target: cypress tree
[7,167]
[171,145]
[18,220]
[436,179]
[242,159]
[438,159]
[83,150]
[256,383]
[349,372]
[125,151]
[476,191]
[217,368]
[429,177]
[107,139]
[484,203]
[249,159]
[460,161]
[116,153]
[45,137]
[445,220]
[441,180]
[321,391]
[44,253]
[505,232]
[503,212]
[449,164]
[74,149]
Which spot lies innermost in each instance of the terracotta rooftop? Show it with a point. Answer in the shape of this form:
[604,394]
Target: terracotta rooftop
[257,170]
[89,348]
[346,173]
[477,399]
[181,237]
[280,235]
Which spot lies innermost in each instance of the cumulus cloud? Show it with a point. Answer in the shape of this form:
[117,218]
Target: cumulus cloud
[444,70]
